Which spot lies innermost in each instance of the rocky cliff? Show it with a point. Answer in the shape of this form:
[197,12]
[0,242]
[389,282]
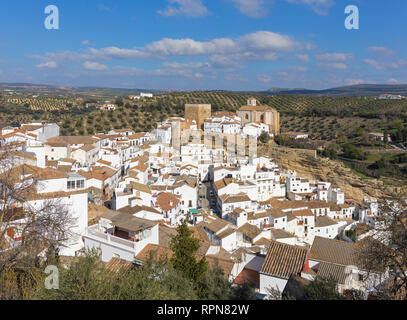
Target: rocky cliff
[323,169]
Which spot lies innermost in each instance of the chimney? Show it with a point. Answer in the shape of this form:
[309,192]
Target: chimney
[306,266]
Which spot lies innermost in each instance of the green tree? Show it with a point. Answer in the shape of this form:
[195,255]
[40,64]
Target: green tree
[184,259]
[264,137]
[322,289]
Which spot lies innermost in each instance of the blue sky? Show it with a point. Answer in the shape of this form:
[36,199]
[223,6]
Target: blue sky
[204,44]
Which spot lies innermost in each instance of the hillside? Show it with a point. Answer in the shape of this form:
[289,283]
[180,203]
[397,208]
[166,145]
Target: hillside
[324,118]
[362,90]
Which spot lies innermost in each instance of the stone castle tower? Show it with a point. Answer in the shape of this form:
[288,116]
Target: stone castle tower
[198,112]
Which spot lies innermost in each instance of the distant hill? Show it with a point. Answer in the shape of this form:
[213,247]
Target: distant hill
[40,88]
[365,90]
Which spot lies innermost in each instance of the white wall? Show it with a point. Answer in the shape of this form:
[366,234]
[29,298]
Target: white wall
[267,282]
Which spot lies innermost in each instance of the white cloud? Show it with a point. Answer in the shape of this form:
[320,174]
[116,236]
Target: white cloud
[47,65]
[298,69]
[116,53]
[333,66]
[85,42]
[189,8]
[89,65]
[268,41]
[236,77]
[188,47]
[303,57]
[382,52]
[334,57]
[393,81]
[320,7]
[352,82]
[264,78]
[257,46]
[251,8]
[381,65]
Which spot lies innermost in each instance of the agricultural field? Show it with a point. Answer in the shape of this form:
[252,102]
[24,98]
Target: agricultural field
[323,118]
[43,103]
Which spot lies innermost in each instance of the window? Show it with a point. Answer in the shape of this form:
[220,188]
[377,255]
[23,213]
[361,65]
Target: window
[71,185]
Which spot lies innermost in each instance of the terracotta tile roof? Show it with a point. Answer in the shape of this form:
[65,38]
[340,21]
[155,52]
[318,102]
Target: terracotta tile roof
[333,251]
[137,135]
[165,235]
[249,231]
[87,147]
[276,213]
[29,171]
[281,234]
[334,207]
[139,187]
[54,195]
[107,163]
[116,264]
[224,182]
[263,242]
[99,173]
[199,233]
[141,167]
[131,223]
[25,155]
[68,160]
[135,209]
[51,163]
[216,225]
[95,211]
[226,233]
[284,205]
[331,270]
[67,168]
[167,201]
[284,260]
[258,215]
[155,252]
[62,141]
[324,221]
[226,198]
[317,204]
[224,263]
[303,213]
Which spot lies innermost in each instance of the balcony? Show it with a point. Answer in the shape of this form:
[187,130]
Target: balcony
[95,234]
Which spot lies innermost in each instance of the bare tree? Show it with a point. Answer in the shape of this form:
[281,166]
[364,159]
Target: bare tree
[26,230]
[386,248]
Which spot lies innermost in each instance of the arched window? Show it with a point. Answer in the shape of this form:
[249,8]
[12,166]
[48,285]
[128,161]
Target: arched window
[247,116]
[262,118]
